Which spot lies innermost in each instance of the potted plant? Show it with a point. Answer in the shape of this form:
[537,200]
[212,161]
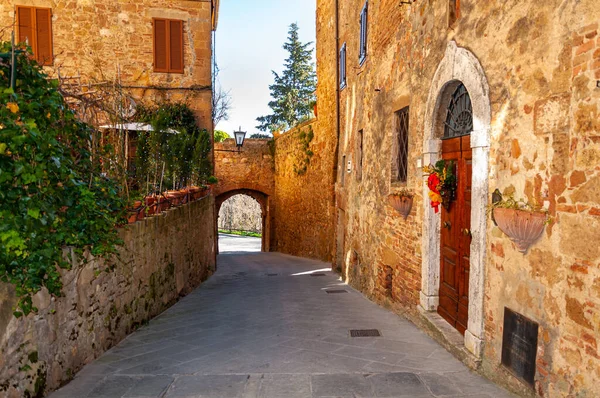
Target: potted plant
[402,201]
[151,204]
[441,183]
[135,212]
[522,222]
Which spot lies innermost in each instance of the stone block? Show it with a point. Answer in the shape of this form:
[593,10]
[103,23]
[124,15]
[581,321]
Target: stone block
[551,115]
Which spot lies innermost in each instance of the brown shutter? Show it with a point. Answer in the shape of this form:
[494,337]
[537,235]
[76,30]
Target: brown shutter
[160,46]
[43,19]
[176,46]
[25,24]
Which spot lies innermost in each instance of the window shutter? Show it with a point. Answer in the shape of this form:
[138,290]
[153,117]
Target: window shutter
[176,46]
[43,18]
[160,46]
[25,23]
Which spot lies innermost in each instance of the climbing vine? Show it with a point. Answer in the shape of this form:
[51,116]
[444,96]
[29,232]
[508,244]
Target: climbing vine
[301,166]
[53,193]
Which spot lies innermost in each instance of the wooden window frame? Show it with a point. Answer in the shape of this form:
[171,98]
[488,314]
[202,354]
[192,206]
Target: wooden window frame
[168,69]
[400,153]
[343,82]
[364,18]
[34,33]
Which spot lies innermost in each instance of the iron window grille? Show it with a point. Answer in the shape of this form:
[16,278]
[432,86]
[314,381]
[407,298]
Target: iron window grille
[459,117]
[343,66]
[363,33]
[402,123]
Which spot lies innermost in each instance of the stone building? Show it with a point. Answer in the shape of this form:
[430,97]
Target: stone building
[509,91]
[155,50]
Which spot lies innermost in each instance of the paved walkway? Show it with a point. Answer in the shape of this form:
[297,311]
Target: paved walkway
[265,326]
[234,243]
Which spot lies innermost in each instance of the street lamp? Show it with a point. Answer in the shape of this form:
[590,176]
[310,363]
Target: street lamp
[240,136]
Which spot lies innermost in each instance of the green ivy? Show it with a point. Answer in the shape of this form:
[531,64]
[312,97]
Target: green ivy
[52,191]
[306,138]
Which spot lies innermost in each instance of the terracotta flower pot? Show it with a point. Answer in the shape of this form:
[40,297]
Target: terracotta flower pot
[522,227]
[151,205]
[194,193]
[131,216]
[402,204]
[138,206]
[185,195]
[163,204]
[174,197]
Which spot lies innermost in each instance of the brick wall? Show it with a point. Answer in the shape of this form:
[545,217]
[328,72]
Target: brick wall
[542,64]
[163,258]
[99,38]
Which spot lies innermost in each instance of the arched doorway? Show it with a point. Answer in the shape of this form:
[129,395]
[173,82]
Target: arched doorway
[455,235]
[265,206]
[459,77]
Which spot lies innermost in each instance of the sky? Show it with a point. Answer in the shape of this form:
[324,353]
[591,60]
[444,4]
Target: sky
[249,44]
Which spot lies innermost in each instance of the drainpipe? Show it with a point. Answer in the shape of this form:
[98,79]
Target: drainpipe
[338,124]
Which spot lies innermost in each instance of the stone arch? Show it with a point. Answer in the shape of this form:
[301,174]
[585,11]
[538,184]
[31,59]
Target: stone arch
[263,200]
[459,66]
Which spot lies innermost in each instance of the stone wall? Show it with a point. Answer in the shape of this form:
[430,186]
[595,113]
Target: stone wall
[537,67]
[304,194]
[251,168]
[163,258]
[109,40]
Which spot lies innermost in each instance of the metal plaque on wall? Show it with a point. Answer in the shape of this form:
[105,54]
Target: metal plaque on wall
[519,345]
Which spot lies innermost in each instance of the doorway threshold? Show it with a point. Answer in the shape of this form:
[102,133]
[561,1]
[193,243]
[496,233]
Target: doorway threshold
[450,338]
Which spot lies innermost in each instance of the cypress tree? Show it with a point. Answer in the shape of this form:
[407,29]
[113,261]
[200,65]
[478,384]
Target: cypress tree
[293,92]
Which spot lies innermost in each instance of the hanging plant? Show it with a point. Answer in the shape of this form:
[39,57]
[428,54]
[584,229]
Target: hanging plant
[441,183]
[402,201]
[522,222]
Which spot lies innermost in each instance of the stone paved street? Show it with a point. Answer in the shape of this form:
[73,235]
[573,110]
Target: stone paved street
[264,326]
[233,243]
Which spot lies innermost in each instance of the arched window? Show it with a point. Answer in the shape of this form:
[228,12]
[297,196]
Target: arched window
[459,118]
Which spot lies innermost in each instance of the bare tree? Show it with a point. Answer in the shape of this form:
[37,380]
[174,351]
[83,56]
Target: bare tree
[221,105]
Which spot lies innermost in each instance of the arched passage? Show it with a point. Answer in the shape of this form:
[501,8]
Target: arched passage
[265,206]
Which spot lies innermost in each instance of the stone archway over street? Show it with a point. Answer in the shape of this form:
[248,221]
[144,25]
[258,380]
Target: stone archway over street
[249,172]
[265,207]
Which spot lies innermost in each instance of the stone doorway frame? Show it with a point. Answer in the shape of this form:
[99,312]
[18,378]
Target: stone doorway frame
[458,66]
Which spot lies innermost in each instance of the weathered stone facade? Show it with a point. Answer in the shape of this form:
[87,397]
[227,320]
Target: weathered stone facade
[163,258]
[112,40]
[532,73]
[304,225]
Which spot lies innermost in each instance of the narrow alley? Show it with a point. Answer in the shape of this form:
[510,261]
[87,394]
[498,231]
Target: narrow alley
[272,325]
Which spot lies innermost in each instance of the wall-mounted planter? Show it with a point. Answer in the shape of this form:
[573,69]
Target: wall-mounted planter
[522,227]
[402,204]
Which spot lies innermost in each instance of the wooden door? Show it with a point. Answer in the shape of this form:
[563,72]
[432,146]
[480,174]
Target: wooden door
[456,237]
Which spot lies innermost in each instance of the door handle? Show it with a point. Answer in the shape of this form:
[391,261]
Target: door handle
[466,232]
[447,224]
